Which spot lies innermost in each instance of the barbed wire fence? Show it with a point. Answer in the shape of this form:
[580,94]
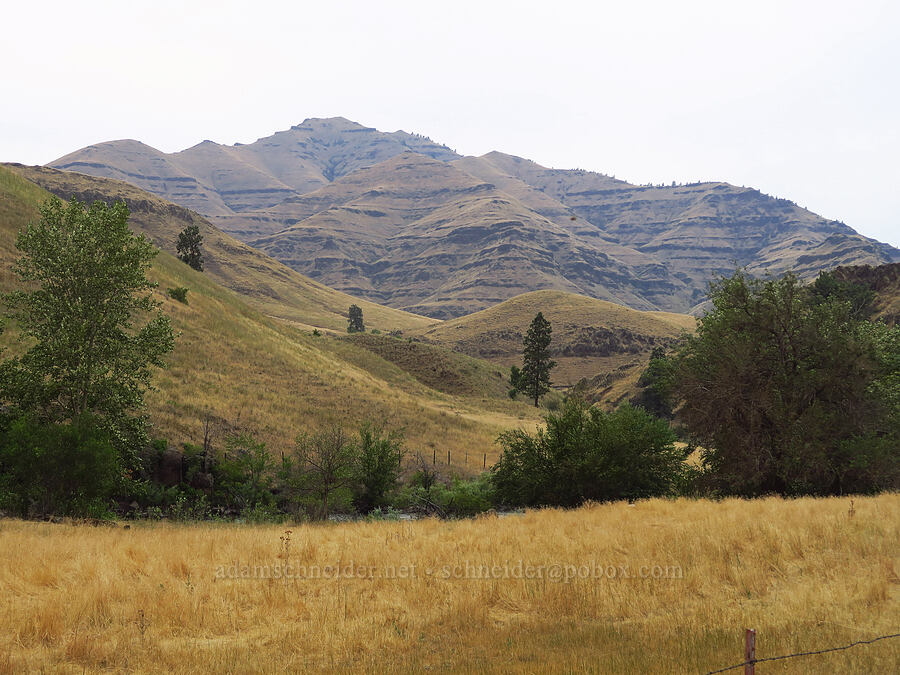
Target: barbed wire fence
[750,660]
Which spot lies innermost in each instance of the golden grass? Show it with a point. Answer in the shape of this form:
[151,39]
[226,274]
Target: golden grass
[567,312]
[803,572]
[263,282]
[496,334]
[255,373]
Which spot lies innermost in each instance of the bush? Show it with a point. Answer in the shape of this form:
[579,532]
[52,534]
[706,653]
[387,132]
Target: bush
[464,498]
[244,476]
[377,467]
[461,498]
[63,469]
[586,454]
[318,479]
[178,293]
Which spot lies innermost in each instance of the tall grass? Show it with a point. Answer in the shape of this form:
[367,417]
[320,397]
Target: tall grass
[805,573]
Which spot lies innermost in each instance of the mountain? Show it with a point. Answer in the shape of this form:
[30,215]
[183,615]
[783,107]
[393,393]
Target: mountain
[408,223]
[216,179]
[246,370]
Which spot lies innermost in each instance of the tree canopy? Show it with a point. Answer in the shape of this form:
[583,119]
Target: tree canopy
[189,247]
[585,453]
[87,312]
[355,320]
[789,391]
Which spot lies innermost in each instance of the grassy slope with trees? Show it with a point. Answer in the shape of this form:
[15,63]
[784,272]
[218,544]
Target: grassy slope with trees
[266,284]
[604,344]
[250,372]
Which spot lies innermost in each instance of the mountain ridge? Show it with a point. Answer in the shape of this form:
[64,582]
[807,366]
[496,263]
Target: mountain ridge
[406,222]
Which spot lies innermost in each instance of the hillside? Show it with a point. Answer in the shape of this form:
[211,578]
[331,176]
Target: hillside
[417,233]
[592,340]
[270,286]
[405,222]
[251,372]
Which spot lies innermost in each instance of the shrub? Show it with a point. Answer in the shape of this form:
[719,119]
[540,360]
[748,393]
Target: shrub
[244,476]
[67,469]
[586,454]
[178,293]
[464,498]
[319,477]
[377,467]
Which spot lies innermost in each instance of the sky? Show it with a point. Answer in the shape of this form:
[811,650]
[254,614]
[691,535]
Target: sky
[798,99]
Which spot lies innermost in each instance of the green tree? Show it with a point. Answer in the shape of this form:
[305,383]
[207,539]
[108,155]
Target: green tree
[377,467]
[245,474]
[827,287]
[94,328]
[67,469]
[355,321]
[534,379]
[780,386]
[656,384]
[584,453]
[322,467]
[190,247]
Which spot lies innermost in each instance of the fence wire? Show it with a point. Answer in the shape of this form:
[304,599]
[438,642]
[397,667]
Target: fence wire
[791,656]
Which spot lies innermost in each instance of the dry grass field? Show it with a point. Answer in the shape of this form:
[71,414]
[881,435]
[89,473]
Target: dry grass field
[170,598]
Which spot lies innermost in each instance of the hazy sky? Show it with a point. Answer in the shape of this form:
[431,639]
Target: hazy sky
[799,99]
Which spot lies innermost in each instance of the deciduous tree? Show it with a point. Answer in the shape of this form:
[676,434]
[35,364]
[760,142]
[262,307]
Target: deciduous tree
[780,385]
[190,247]
[93,328]
[355,320]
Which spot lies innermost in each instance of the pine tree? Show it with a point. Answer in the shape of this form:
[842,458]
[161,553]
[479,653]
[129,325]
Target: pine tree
[535,377]
[189,242]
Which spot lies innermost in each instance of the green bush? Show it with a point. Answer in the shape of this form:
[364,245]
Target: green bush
[63,469]
[377,467]
[465,498]
[178,293]
[244,476]
[587,454]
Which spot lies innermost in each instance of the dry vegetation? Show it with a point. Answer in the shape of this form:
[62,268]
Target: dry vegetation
[266,284]
[606,343]
[805,573]
[251,372]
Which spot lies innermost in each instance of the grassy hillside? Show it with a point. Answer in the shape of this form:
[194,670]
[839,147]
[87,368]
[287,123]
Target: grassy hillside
[802,572]
[267,284]
[591,338]
[251,372]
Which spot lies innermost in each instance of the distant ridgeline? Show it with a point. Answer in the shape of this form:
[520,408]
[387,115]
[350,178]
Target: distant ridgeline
[398,219]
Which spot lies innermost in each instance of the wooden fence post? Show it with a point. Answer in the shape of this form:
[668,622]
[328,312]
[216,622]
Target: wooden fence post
[750,652]
[448,458]
[484,466]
